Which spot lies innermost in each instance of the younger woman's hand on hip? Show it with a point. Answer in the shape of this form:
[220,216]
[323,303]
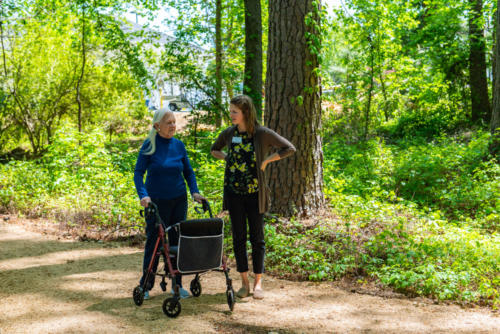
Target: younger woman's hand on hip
[145,201]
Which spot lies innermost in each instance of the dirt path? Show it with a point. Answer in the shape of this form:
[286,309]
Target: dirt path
[53,286]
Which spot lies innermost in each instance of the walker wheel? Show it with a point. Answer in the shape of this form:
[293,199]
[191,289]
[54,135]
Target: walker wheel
[138,295]
[195,287]
[230,298]
[171,307]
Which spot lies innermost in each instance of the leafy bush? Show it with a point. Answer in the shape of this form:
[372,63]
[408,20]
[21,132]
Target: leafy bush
[81,184]
[421,123]
[455,176]
[443,262]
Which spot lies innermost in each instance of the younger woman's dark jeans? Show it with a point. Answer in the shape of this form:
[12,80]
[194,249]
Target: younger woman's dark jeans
[242,208]
[171,212]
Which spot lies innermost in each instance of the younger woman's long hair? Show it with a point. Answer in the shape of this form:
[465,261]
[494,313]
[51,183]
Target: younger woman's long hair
[245,104]
[159,114]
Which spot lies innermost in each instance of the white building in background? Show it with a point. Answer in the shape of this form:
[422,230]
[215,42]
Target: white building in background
[166,92]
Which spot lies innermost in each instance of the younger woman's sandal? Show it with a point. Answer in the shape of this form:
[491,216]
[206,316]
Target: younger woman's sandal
[258,294]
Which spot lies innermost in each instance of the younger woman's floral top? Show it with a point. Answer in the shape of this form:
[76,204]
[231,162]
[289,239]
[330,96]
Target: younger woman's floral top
[241,167]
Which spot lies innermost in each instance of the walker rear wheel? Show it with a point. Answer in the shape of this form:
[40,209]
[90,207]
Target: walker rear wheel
[195,287]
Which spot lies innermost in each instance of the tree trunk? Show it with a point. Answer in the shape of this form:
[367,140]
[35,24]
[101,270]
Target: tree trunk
[381,78]
[218,61]
[370,92]
[229,82]
[80,79]
[495,115]
[493,56]
[480,105]
[293,108]
[252,84]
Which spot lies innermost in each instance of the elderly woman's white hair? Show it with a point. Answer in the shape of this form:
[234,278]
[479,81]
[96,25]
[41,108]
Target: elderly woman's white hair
[157,117]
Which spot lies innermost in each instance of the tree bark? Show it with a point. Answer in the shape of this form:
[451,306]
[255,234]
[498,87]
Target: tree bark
[252,83]
[229,82]
[493,54]
[293,109]
[495,115]
[218,60]
[370,93]
[80,79]
[480,105]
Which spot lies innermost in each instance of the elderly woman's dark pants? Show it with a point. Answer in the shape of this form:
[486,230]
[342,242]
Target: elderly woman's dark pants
[171,212]
[243,208]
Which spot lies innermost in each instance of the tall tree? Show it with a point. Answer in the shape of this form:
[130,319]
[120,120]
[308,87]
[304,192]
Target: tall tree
[38,67]
[480,105]
[293,104]
[218,60]
[495,115]
[82,72]
[252,84]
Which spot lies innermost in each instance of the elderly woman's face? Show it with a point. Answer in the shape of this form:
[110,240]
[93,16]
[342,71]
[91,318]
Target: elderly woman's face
[166,127]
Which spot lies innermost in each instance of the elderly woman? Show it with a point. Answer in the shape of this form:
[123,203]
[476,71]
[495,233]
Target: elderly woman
[245,190]
[167,164]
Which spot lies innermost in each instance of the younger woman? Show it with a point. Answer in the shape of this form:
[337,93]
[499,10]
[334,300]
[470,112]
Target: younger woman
[246,194]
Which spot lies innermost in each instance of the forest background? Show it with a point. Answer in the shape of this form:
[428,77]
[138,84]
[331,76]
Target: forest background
[393,106]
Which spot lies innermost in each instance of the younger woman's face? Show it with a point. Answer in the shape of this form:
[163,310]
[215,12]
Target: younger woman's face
[236,115]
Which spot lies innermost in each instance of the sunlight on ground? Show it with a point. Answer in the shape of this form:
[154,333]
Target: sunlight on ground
[61,258]
[28,306]
[64,289]
[102,284]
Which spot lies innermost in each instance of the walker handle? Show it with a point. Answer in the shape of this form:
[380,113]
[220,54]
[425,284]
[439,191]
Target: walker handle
[152,209]
[205,207]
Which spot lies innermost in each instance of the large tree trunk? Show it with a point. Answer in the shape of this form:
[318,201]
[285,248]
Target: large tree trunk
[495,115]
[293,109]
[252,84]
[218,61]
[480,105]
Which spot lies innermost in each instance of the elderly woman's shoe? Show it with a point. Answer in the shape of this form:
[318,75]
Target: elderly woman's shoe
[243,292]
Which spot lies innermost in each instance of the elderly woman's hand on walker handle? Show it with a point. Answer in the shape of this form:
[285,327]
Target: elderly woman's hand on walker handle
[145,201]
[198,198]
[271,158]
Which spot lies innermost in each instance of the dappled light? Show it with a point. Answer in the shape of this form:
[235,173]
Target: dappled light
[349,151]
[91,294]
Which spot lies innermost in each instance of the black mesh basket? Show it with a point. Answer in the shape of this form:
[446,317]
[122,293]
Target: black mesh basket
[200,245]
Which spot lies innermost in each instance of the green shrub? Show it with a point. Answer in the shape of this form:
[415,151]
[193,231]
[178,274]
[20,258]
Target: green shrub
[77,183]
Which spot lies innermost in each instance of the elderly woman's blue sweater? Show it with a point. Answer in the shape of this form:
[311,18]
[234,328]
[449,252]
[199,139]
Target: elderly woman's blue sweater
[166,170]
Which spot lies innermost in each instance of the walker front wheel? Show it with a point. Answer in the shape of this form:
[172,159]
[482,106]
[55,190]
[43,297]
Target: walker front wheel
[230,298]
[171,307]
